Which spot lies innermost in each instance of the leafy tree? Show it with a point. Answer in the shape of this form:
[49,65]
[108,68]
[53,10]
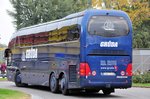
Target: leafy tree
[30,12]
[141,37]
[139,13]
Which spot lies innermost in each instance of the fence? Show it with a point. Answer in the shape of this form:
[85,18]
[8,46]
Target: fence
[141,60]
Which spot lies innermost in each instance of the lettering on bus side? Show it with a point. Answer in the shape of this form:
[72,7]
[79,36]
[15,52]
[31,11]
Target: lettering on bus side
[30,54]
[109,44]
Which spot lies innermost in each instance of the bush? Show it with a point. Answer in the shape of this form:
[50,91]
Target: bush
[141,78]
[136,78]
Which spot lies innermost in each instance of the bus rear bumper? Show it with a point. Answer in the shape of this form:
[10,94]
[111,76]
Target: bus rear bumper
[101,85]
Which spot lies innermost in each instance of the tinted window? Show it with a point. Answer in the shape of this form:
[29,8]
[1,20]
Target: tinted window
[73,32]
[108,26]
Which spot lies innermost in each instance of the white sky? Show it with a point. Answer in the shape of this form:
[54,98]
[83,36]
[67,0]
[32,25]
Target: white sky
[6,25]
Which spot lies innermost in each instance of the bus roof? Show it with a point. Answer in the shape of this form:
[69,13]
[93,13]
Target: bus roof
[74,15]
[43,27]
[49,26]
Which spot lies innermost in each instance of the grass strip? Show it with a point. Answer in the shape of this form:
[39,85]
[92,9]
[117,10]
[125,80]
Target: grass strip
[3,79]
[12,94]
[141,85]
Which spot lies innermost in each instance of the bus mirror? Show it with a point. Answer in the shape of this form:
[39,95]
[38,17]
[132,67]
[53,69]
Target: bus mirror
[8,55]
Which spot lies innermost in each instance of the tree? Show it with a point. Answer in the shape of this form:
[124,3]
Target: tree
[139,13]
[30,12]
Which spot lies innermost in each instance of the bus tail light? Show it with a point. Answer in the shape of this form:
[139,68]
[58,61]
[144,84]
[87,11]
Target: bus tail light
[129,70]
[85,69]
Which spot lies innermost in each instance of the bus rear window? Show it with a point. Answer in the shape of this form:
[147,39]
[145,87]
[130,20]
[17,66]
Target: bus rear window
[108,26]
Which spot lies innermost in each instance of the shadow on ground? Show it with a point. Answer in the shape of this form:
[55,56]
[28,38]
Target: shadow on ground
[76,94]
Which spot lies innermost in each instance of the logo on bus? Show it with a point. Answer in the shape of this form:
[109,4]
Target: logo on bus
[108,25]
[109,44]
[30,54]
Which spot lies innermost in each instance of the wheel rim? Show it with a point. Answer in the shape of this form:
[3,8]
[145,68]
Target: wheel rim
[53,83]
[18,78]
[62,84]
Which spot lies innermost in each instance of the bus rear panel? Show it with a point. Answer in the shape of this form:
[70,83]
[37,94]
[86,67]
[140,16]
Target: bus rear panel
[106,50]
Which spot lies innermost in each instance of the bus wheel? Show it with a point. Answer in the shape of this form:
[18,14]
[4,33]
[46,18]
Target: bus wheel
[107,91]
[18,79]
[53,83]
[63,85]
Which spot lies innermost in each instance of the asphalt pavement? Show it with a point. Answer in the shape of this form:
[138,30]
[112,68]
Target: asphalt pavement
[39,92]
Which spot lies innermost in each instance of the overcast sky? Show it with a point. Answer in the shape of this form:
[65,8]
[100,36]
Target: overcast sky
[6,25]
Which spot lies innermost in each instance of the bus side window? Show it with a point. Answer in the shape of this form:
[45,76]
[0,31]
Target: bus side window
[8,56]
[74,33]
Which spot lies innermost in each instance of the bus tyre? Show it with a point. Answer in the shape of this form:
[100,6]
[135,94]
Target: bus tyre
[63,85]
[107,91]
[53,84]
[18,79]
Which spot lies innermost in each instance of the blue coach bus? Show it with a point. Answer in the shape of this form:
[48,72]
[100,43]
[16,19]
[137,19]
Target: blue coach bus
[89,50]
